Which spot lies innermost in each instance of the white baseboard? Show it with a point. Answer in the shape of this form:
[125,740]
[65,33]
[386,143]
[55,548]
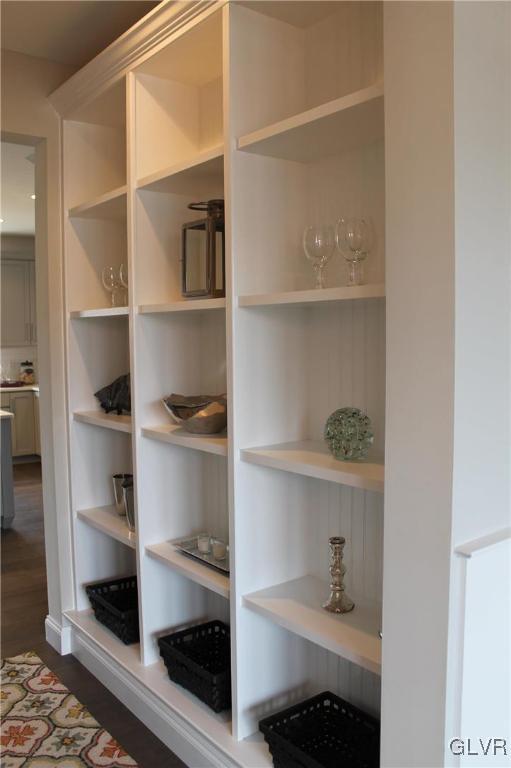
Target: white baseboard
[191,746]
[57,636]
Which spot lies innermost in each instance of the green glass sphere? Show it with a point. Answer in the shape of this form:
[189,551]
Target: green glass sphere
[349,434]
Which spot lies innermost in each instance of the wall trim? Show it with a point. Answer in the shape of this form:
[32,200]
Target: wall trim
[57,636]
[137,43]
[177,734]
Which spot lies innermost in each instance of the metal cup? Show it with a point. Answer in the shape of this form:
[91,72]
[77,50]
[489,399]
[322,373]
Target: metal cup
[129,503]
[118,480]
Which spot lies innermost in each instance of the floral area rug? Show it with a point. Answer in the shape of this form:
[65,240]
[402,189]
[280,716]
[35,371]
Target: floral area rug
[45,726]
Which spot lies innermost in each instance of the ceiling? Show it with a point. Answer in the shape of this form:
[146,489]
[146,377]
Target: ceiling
[18,183]
[71,32]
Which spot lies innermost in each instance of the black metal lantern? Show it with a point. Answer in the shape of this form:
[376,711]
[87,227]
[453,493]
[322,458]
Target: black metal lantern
[203,260]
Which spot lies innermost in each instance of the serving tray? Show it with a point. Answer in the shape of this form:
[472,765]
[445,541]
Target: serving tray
[188,547]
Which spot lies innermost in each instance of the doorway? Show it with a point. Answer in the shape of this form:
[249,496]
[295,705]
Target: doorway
[24,581]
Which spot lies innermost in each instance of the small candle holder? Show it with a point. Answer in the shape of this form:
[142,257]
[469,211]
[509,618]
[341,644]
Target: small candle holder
[219,549]
[204,543]
[339,601]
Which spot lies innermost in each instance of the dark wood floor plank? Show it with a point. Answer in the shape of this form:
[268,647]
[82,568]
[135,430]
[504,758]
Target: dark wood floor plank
[24,609]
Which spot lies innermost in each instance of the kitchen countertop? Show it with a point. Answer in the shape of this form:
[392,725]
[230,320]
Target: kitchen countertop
[24,388]
[6,414]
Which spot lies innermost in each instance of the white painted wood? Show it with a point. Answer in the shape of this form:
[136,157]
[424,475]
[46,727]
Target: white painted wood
[420,379]
[296,606]
[295,367]
[195,305]
[37,424]
[104,312]
[283,372]
[175,119]
[137,44]
[183,177]
[91,245]
[95,162]
[158,221]
[313,459]
[477,546]
[178,436]
[483,699]
[313,296]
[338,126]
[160,704]
[207,577]
[57,636]
[16,314]
[107,520]
[23,427]
[104,420]
[110,205]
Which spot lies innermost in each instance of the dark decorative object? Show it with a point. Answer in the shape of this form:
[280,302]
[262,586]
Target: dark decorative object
[27,372]
[128,497]
[117,480]
[339,602]
[115,604]
[199,659]
[323,732]
[116,396]
[203,252]
[199,414]
[349,434]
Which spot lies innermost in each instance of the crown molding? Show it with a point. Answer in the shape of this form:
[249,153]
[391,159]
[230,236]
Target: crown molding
[140,41]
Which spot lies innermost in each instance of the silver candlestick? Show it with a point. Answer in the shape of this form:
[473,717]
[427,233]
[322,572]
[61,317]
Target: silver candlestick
[339,601]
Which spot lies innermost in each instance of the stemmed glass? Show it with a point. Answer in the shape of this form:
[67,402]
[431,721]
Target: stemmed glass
[110,282]
[354,239]
[123,279]
[318,244]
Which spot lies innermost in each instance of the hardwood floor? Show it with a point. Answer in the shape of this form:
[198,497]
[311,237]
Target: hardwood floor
[24,609]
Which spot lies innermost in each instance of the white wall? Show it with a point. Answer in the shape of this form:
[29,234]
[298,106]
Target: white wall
[27,117]
[420,380]
[448,167]
[482,415]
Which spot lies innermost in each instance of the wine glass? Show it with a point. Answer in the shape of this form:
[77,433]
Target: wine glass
[354,238]
[110,282]
[123,280]
[318,244]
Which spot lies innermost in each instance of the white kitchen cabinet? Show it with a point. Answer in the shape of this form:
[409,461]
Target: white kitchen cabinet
[32,302]
[18,303]
[23,434]
[37,425]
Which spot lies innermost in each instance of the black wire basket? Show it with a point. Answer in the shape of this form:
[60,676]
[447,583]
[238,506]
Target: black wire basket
[115,604]
[199,659]
[323,732]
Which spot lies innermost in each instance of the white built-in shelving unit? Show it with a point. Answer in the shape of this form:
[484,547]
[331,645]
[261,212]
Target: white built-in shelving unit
[278,108]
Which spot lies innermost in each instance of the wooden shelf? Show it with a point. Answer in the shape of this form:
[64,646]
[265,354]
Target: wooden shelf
[313,459]
[107,520]
[339,125]
[184,177]
[111,205]
[155,680]
[185,305]
[296,606]
[313,296]
[105,420]
[102,312]
[172,433]
[192,569]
